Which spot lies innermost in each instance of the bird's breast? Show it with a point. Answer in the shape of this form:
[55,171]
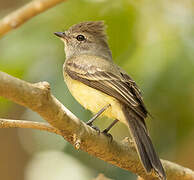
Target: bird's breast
[93,99]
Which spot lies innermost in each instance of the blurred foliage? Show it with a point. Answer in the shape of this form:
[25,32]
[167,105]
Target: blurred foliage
[152,40]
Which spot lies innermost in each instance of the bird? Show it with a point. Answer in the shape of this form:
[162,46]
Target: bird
[105,89]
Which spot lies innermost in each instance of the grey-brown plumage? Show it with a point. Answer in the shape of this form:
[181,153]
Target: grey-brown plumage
[95,28]
[89,66]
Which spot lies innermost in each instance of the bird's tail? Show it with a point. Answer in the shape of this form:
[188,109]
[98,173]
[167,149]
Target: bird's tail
[144,146]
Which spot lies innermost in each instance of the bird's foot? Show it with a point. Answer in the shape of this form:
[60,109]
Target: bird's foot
[105,132]
[94,127]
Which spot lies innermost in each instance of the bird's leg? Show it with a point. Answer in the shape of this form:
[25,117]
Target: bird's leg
[90,122]
[110,126]
[105,131]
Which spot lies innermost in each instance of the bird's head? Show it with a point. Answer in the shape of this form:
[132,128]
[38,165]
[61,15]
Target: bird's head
[86,38]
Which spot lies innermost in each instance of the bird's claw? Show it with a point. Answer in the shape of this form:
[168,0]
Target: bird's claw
[94,127]
[108,135]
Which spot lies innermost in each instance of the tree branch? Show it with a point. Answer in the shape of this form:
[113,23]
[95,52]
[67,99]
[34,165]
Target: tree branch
[38,98]
[25,13]
[10,123]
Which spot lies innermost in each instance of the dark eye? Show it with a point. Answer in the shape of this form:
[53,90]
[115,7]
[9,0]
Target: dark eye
[80,38]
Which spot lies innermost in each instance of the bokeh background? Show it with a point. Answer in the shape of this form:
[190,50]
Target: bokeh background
[152,40]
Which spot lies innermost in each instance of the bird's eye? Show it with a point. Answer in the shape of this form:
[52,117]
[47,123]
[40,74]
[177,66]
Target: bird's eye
[80,38]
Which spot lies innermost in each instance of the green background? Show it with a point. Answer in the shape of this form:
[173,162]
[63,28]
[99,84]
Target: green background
[152,40]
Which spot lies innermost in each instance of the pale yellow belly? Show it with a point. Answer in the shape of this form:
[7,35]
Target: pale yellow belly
[94,100]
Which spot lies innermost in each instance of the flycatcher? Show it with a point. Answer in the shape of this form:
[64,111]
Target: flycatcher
[104,88]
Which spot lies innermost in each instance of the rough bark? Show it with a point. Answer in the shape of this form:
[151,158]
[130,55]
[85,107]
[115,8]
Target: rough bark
[122,154]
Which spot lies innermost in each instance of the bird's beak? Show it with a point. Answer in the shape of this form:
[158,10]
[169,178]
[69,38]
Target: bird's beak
[61,35]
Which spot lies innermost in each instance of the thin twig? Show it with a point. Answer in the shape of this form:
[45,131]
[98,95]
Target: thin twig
[10,123]
[25,13]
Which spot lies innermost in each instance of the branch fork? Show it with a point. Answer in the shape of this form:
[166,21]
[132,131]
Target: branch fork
[62,122]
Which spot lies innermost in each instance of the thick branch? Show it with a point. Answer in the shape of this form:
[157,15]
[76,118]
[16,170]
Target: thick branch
[38,98]
[23,14]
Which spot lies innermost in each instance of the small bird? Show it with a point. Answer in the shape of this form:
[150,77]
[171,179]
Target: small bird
[104,88]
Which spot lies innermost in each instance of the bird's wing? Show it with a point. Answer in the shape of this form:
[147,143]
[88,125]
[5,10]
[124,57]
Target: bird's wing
[135,89]
[122,87]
